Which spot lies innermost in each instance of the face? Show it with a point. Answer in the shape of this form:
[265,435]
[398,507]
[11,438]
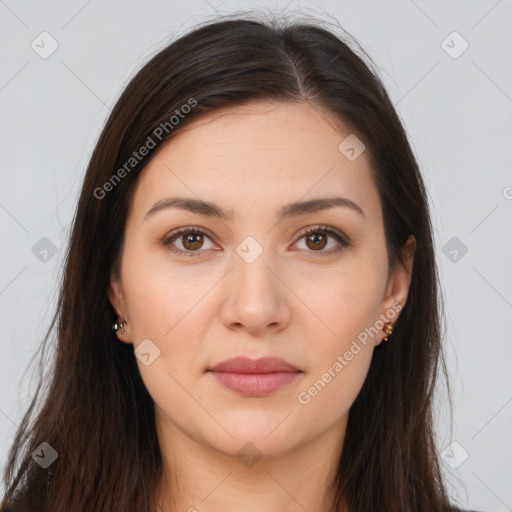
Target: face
[309,286]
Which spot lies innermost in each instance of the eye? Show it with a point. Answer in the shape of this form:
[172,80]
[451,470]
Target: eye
[192,240]
[316,240]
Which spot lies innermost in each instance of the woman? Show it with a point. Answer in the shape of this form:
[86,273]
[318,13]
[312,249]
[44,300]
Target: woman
[249,315]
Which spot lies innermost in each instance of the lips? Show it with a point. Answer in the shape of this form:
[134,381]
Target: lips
[258,377]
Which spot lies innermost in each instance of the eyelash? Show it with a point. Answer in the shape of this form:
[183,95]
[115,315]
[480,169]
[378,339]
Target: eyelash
[315,229]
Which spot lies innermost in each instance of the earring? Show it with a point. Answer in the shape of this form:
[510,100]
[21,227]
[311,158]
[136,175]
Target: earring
[119,326]
[388,329]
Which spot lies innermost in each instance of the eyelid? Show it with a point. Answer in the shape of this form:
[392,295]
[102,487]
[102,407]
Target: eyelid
[342,239]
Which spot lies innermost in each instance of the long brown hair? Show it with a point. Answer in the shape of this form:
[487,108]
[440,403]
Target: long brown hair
[95,411]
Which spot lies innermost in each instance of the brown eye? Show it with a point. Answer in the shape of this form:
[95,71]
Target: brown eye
[316,241]
[191,241]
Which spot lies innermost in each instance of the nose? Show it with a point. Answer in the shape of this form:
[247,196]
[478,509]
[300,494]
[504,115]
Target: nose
[255,297]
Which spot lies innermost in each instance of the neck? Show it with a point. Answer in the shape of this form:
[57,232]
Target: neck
[196,477]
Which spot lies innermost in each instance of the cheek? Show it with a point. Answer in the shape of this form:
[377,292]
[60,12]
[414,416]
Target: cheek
[165,306]
[330,392]
[341,352]
[339,357]
[160,295]
[349,303]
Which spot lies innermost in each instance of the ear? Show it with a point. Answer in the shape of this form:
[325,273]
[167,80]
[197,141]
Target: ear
[399,282]
[116,299]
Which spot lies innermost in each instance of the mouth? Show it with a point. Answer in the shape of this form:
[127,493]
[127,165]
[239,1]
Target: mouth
[255,378]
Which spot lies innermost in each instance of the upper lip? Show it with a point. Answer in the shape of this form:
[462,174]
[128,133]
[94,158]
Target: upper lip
[247,365]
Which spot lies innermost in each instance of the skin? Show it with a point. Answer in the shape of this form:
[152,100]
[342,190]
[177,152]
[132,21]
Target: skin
[290,302]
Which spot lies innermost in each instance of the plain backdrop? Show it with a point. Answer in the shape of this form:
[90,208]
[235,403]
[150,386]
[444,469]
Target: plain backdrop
[447,67]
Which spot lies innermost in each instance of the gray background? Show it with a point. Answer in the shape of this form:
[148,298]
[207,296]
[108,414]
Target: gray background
[457,112]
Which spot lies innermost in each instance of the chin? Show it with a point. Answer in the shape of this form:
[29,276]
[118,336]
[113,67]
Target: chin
[251,438]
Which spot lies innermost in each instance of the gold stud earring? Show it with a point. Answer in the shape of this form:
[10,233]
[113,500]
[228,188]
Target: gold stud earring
[388,329]
[119,326]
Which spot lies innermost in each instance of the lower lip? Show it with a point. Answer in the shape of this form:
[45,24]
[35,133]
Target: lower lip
[255,384]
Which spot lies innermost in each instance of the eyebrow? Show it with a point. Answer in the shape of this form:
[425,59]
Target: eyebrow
[295,209]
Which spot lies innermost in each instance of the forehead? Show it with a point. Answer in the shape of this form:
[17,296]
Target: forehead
[264,126]
[279,152]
